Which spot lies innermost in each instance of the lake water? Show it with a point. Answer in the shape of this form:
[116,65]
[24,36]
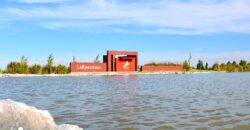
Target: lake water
[142,102]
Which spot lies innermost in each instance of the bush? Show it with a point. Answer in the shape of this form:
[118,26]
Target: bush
[162,64]
[13,67]
[186,66]
[216,67]
[35,69]
[48,70]
[61,69]
[18,67]
[247,68]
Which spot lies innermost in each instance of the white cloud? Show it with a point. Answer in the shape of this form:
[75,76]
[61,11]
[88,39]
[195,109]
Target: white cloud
[150,17]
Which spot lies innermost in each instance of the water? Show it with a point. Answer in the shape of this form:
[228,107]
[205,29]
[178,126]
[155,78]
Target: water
[142,102]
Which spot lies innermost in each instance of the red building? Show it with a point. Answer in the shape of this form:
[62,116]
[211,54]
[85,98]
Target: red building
[119,61]
[114,61]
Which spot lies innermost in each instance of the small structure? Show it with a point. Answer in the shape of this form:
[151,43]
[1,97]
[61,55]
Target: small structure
[121,61]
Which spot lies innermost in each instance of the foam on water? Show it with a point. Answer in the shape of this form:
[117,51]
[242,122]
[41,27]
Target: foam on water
[19,116]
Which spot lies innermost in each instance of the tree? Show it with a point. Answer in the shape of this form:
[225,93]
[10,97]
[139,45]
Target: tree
[189,59]
[228,63]
[24,68]
[223,67]
[74,59]
[50,64]
[61,69]
[243,65]
[186,65]
[216,67]
[13,67]
[231,67]
[45,69]
[200,65]
[35,69]
[247,68]
[97,59]
[234,63]
[206,66]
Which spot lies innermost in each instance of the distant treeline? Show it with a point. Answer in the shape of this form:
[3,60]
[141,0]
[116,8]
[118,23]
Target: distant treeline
[242,66]
[22,67]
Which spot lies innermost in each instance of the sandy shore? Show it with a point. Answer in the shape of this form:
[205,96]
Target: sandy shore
[101,74]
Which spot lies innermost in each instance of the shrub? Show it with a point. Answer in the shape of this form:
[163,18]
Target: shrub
[186,65]
[13,67]
[61,69]
[162,64]
[35,69]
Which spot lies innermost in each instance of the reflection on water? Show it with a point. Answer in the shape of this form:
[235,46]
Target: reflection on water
[160,102]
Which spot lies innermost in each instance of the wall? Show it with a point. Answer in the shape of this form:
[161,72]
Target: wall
[161,68]
[87,67]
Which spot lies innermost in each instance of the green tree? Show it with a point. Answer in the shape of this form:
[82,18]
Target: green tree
[189,59]
[230,67]
[13,67]
[247,68]
[97,59]
[50,64]
[186,65]
[243,63]
[35,69]
[24,68]
[223,67]
[45,69]
[234,63]
[61,69]
[200,65]
[74,59]
[216,67]
[206,66]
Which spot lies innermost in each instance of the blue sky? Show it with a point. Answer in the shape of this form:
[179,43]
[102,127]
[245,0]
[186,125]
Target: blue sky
[160,30]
